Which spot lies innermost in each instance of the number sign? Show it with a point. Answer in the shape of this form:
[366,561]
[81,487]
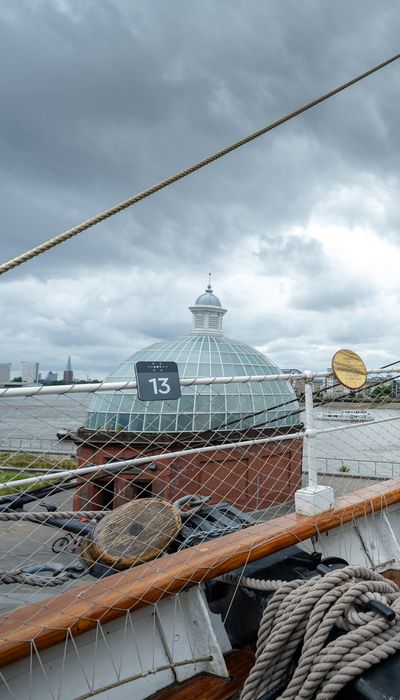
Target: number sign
[157,381]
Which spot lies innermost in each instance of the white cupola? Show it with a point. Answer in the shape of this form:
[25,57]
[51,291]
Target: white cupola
[207,313]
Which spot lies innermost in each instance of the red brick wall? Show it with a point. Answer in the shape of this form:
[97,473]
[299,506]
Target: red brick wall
[256,477]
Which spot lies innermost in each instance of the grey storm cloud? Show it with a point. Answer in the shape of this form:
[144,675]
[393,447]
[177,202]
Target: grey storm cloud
[101,100]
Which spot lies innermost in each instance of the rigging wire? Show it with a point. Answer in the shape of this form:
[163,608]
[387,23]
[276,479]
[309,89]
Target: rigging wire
[298,411]
[66,235]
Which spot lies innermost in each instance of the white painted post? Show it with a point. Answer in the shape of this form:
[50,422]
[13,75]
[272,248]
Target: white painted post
[309,408]
[312,499]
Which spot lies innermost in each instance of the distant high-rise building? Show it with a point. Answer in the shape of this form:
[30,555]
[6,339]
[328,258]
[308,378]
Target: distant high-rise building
[29,372]
[51,376]
[395,389]
[68,373]
[5,372]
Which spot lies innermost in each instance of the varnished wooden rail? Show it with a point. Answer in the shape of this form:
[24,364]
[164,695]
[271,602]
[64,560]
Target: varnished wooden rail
[76,611]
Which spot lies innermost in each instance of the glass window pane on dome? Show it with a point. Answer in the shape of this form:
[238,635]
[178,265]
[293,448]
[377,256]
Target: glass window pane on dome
[241,389]
[136,424]
[109,423]
[104,400]
[123,420]
[232,419]
[167,423]
[91,421]
[115,403]
[202,404]
[184,422]
[181,355]
[216,389]
[139,406]
[199,423]
[272,417]
[126,403]
[233,403]
[247,423]
[156,406]
[218,420]
[95,403]
[260,418]
[185,404]
[246,404]
[151,422]
[218,403]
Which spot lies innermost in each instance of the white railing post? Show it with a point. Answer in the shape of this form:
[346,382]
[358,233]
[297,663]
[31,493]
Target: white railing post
[309,458]
[313,498]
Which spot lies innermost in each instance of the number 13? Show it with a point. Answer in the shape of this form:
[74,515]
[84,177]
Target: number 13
[163,386]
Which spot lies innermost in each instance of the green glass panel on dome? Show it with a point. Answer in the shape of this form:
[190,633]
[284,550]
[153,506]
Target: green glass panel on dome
[202,353]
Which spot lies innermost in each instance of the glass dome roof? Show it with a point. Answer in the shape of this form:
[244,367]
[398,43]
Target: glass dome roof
[214,407]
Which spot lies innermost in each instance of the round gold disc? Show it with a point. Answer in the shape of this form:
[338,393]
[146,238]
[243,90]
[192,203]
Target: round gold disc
[349,369]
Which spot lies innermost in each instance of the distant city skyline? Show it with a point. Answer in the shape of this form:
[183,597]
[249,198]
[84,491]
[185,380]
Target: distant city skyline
[32,371]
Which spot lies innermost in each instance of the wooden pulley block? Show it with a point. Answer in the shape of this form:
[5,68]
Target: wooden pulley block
[133,533]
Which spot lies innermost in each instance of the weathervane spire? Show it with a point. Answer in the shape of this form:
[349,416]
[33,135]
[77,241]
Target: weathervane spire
[209,282]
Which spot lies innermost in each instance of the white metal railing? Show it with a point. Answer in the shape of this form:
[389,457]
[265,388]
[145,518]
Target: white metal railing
[43,389]
[367,468]
[36,445]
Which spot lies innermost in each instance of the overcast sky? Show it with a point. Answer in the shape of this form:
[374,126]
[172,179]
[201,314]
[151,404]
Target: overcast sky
[300,229]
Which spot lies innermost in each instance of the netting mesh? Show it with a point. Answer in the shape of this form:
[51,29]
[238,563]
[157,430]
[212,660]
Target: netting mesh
[216,480]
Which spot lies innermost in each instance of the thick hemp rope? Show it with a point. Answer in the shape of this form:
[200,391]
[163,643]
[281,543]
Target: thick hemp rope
[35,517]
[42,247]
[19,575]
[300,617]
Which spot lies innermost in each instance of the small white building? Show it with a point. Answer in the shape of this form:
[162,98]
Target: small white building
[5,372]
[29,372]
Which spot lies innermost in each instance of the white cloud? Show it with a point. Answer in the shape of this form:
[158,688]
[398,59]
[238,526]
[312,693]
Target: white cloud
[299,229]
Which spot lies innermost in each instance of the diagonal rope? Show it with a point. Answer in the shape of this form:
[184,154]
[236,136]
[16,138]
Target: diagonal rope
[60,238]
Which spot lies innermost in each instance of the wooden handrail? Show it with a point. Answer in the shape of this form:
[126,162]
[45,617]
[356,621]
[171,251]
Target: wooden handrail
[78,610]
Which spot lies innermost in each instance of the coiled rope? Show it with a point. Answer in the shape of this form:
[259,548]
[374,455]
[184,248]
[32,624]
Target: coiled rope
[60,238]
[301,616]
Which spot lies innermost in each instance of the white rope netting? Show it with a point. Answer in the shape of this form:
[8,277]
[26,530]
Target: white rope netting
[221,464]
[254,466]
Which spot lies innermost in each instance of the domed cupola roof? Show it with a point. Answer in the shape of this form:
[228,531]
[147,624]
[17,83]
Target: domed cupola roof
[208,298]
[204,352]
